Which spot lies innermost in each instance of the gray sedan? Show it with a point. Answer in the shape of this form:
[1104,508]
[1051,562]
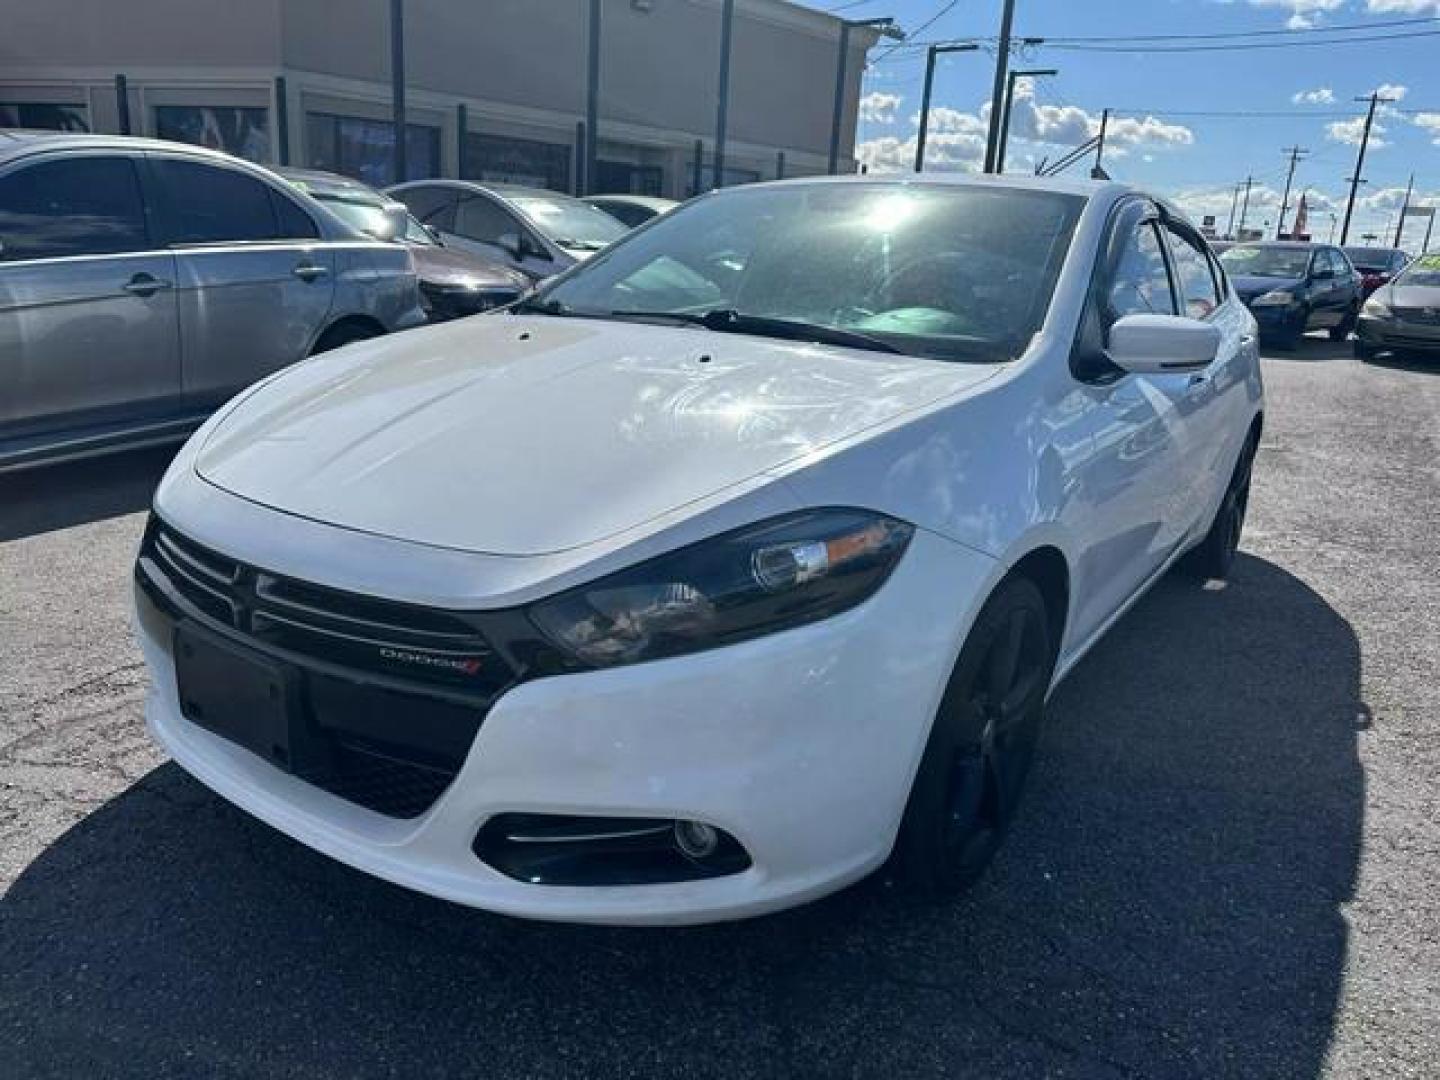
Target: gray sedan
[142,283]
[1403,315]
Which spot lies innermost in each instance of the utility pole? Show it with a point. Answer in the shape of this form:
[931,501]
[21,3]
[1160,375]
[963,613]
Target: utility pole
[997,92]
[1009,105]
[1245,207]
[1355,181]
[1234,205]
[1404,209]
[931,55]
[397,84]
[1296,153]
[727,23]
[592,99]
[1099,170]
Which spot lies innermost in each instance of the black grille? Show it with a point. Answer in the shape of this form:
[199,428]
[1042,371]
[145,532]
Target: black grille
[394,693]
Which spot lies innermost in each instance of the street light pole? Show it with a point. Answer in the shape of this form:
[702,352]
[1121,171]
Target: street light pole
[931,55]
[1404,209]
[1234,205]
[1245,207]
[887,28]
[1009,105]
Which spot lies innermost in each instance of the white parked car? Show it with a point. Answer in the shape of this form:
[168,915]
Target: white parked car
[736,562]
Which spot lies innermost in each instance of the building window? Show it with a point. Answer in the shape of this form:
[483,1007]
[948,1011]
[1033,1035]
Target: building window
[499,159]
[49,117]
[244,132]
[365,149]
[620,178]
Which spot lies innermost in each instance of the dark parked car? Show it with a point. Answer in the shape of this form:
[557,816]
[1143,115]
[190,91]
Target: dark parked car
[632,211]
[142,283]
[1405,314]
[453,283]
[1292,287]
[1377,265]
[535,231]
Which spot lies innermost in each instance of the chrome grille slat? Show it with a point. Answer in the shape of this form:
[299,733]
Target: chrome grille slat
[304,616]
[262,616]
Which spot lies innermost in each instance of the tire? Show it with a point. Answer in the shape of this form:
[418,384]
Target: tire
[1363,351]
[981,745]
[1214,556]
[1289,339]
[345,333]
[1343,329]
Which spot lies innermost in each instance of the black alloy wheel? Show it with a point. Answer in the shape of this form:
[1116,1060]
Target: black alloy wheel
[1214,556]
[981,746]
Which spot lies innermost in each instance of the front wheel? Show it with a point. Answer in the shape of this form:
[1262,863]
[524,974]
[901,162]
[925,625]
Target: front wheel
[981,745]
[1216,553]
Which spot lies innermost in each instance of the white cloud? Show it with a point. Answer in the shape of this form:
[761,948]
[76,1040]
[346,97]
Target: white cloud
[1403,7]
[1429,122]
[1351,131]
[1392,90]
[1303,13]
[879,107]
[1321,95]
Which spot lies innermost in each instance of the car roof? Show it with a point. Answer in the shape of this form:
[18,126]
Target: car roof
[1298,245]
[17,142]
[1058,184]
[505,191]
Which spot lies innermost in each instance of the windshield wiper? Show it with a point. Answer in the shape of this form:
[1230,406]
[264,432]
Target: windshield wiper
[730,321]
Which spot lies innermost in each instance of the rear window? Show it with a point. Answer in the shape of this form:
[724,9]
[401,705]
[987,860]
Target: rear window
[1370,258]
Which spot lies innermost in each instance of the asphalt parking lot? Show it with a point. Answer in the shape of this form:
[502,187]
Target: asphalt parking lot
[1228,864]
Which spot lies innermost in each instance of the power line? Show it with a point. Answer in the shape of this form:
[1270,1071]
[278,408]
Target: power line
[1242,46]
[1288,32]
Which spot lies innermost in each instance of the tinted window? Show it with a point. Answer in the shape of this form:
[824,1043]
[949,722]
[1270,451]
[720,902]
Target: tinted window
[79,206]
[481,219]
[295,223]
[432,205]
[1141,283]
[213,205]
[1197,284]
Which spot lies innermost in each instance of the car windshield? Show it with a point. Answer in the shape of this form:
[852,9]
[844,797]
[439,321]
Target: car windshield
[1276,262]
[569,222]
[933,270]
[368,216]
[1371,259]
[1424,271]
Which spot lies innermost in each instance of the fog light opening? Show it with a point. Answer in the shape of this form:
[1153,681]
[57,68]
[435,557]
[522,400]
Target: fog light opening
[696,840]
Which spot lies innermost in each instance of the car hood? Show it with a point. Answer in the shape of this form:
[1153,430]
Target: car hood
[517,435]
[1249,286]
[450,266]
[1412,296]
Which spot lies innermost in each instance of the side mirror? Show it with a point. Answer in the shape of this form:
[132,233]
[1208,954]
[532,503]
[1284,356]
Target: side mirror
[1151,344]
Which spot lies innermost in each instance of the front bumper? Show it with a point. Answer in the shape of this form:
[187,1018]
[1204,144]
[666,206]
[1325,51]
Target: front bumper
[802,745]
[1395,333]
[1276,321]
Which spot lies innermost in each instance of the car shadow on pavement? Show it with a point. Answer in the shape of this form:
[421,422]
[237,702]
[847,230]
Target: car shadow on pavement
[1168,905]
[54,497]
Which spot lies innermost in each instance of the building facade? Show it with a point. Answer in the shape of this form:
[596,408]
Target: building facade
[495,89]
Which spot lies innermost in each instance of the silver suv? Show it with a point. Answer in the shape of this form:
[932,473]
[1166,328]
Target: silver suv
[142,283]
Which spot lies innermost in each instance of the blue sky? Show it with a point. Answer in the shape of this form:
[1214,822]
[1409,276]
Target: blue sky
[1195,159]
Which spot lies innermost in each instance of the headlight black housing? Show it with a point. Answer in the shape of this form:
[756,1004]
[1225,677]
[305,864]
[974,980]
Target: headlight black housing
[775,575]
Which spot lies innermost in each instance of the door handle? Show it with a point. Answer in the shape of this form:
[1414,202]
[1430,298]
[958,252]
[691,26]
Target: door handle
[144,285]
[309,271]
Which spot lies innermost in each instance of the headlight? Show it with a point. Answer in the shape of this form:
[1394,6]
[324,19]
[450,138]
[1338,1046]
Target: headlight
[758,580]
[1376,309]
[1278,298]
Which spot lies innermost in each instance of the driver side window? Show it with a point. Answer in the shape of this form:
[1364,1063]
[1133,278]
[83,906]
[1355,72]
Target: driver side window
[1141,283]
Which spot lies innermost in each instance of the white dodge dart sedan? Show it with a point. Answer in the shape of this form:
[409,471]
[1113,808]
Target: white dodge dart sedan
[734,563]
